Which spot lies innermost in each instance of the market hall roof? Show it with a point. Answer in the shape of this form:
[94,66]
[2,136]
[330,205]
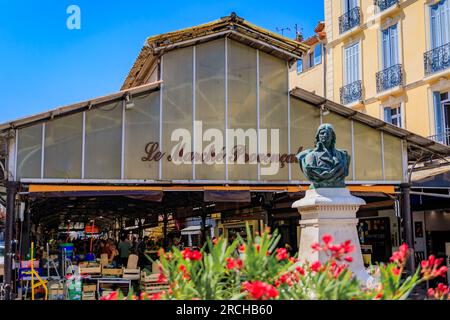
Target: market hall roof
[231,26]
[420,148]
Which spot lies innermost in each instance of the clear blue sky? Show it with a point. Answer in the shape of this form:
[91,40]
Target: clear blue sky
[44,65]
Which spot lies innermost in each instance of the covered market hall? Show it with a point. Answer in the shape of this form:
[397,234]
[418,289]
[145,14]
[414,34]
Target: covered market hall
[201,139]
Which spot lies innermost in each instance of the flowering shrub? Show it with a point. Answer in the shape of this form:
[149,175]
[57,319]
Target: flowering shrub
[255,269]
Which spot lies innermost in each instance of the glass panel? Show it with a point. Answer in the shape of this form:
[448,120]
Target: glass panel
[273,94]
[393,163]
[242,105]
[305,119]
[177,113]
[210,106]
[29,151]
[142,138]
[343,128]
[367,153]
[104,142]
[63,147]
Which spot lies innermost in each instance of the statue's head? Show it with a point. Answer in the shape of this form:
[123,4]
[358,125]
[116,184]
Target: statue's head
[326,136]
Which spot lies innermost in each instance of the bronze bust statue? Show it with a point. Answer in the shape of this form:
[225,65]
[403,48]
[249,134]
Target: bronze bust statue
[325,166]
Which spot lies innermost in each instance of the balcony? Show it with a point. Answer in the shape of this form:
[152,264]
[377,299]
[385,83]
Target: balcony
[443,138]
[385,4]
[389,78]
[437,59]
[349,20]
[351,92]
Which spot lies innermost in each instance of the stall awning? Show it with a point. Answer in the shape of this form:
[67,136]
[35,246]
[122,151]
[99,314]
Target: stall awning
[155,193]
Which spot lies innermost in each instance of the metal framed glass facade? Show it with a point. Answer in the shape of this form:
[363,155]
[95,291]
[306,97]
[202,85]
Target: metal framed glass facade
[207,90]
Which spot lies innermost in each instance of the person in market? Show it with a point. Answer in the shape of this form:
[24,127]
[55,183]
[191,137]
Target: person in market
[124,250]
[141,248]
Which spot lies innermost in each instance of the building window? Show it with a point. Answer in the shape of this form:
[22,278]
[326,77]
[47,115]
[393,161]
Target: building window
[438,58]
[352,63]
[352,89]
[311,60]
[390,46]
[440,23]
[391,74]
[299,66]
[393,115]
[318,54]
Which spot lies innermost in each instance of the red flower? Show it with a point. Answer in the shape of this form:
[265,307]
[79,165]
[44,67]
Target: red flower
[242,248]
[396,271]
[259,290]
[348,259]
[258,247]
[282,254]
[316,266]
[162,278]
[234,263]
[191,255]
[185,273]
[214,241]
[327,239]
[300,270]
[379,296]
[156,296]
[196,255]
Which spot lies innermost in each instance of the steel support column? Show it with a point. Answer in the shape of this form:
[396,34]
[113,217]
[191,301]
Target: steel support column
[165,240]
[407,224]
[11,191]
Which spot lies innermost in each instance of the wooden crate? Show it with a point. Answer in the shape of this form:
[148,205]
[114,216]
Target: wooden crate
[88,296]
[89,288]
[112,272]
[90,270]
[150,284]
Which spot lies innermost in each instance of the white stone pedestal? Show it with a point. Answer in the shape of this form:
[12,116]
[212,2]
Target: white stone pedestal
[330,211]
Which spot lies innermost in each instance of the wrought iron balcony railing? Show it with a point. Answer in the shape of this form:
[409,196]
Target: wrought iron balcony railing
[443,138]
[350,20]
[390,78]
[437,59]
[351,92]
[385,4]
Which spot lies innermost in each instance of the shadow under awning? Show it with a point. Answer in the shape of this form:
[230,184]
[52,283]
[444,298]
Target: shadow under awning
[227,196]
[59,191]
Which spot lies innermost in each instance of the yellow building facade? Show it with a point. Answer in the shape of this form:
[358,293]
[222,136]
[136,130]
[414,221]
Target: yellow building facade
[389,59]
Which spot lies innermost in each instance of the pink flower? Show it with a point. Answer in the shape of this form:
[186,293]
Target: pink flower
[316,246]
[400,256]
[440,292]
[431,269]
